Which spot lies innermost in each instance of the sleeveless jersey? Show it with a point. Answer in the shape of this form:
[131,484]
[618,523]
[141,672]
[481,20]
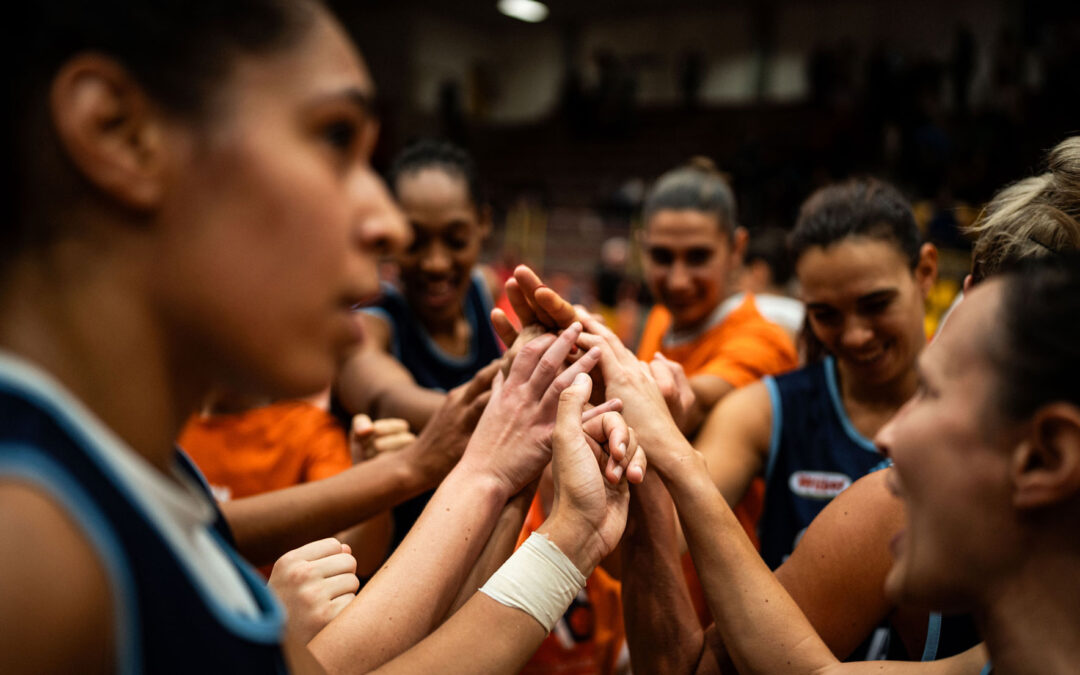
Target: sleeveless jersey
[430,366]
[815,453]
[165,620]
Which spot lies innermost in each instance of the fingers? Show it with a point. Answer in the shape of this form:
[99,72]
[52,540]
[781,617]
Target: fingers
[528,284]
[393,442]
[553,304]
[504,328]
[333,565]
[549,365]
[317,549]
[389,426]
[362,426]
[481,381]
[584,364]
[568,417]
[665,379]
[610,405]
[342,584]
[518,302]
[637,465]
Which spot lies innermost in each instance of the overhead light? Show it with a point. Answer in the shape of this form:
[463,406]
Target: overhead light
[525,10]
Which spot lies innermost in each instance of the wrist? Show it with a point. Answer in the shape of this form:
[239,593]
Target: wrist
[576,539]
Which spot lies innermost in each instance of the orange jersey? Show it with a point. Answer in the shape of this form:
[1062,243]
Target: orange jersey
[589,636]
[266,448]
[741,346]
[737,344]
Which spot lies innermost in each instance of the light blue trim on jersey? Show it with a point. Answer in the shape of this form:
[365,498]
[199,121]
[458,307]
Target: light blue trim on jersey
[838,405]
[883,464]
[987,669]
[23,463]
[259,628]
[777,423]
[933,637]
[269,627]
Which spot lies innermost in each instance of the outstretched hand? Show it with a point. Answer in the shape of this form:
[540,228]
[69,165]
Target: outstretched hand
[589,510]
[513,437]
[538,308]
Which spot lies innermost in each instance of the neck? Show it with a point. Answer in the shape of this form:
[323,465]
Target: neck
[76,313]
[888,395]
[1032,625]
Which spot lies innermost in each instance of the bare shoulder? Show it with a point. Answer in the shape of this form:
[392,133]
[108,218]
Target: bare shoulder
[55,604]
[837,571]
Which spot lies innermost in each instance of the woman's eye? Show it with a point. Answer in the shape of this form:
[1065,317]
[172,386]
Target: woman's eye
[826,317]
[661,256]
[698,256]
[340,135]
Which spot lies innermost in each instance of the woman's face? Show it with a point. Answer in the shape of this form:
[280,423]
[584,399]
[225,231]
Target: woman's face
[448,232]
[273,219]
[866,305]
[952,466]
[688,263]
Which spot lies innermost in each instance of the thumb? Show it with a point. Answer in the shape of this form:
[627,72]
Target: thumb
[362,426]
[568,417]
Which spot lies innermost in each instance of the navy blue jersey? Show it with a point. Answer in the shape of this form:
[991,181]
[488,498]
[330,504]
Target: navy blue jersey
[814,454]
[166,621]
[430,366]
[411,345]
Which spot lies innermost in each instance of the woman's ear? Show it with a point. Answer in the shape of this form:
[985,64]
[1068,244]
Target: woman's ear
[109,129]
[1046,465]
[926,269]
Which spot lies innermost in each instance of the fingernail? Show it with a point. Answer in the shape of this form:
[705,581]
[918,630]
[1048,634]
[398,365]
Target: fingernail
[622,448]
[581,378]
[617,471]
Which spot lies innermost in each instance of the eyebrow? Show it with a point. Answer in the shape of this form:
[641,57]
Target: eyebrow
[365,101]
[884,294]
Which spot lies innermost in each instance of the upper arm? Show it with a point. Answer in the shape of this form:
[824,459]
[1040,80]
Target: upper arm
[370,369]
[735,440]
[709,390]
[55,605]
[837,572]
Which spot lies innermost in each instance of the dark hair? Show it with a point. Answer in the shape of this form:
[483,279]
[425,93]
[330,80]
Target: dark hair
[431,153]
[1035,353]
[859,207]
[1036,216]
[697,186]
[771,247]
[180,51]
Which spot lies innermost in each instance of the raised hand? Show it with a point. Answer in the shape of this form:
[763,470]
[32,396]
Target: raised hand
[539,308]
[589,510]
[513,437]
[314,582]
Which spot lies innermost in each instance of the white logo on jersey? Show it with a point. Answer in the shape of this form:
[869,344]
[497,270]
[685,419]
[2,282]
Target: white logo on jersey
[818,484]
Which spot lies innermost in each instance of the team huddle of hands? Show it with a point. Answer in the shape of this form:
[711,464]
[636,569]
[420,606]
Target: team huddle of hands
[567,392]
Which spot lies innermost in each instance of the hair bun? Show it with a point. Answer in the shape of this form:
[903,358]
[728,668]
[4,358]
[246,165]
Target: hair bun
[703,164]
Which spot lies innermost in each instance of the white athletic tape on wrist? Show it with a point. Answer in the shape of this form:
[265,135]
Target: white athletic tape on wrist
[538,579]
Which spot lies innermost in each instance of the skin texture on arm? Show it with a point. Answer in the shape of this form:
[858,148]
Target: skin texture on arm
[372,381]
[413,591]
[764,631]
[266,526]
[708,392]
[734,440]
[55,605]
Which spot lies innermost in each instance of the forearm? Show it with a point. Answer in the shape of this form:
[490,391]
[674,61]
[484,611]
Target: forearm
[498,548]
[662,629]
[483,637]
[412,592]
[266,526]
[408,401]
[762,627]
